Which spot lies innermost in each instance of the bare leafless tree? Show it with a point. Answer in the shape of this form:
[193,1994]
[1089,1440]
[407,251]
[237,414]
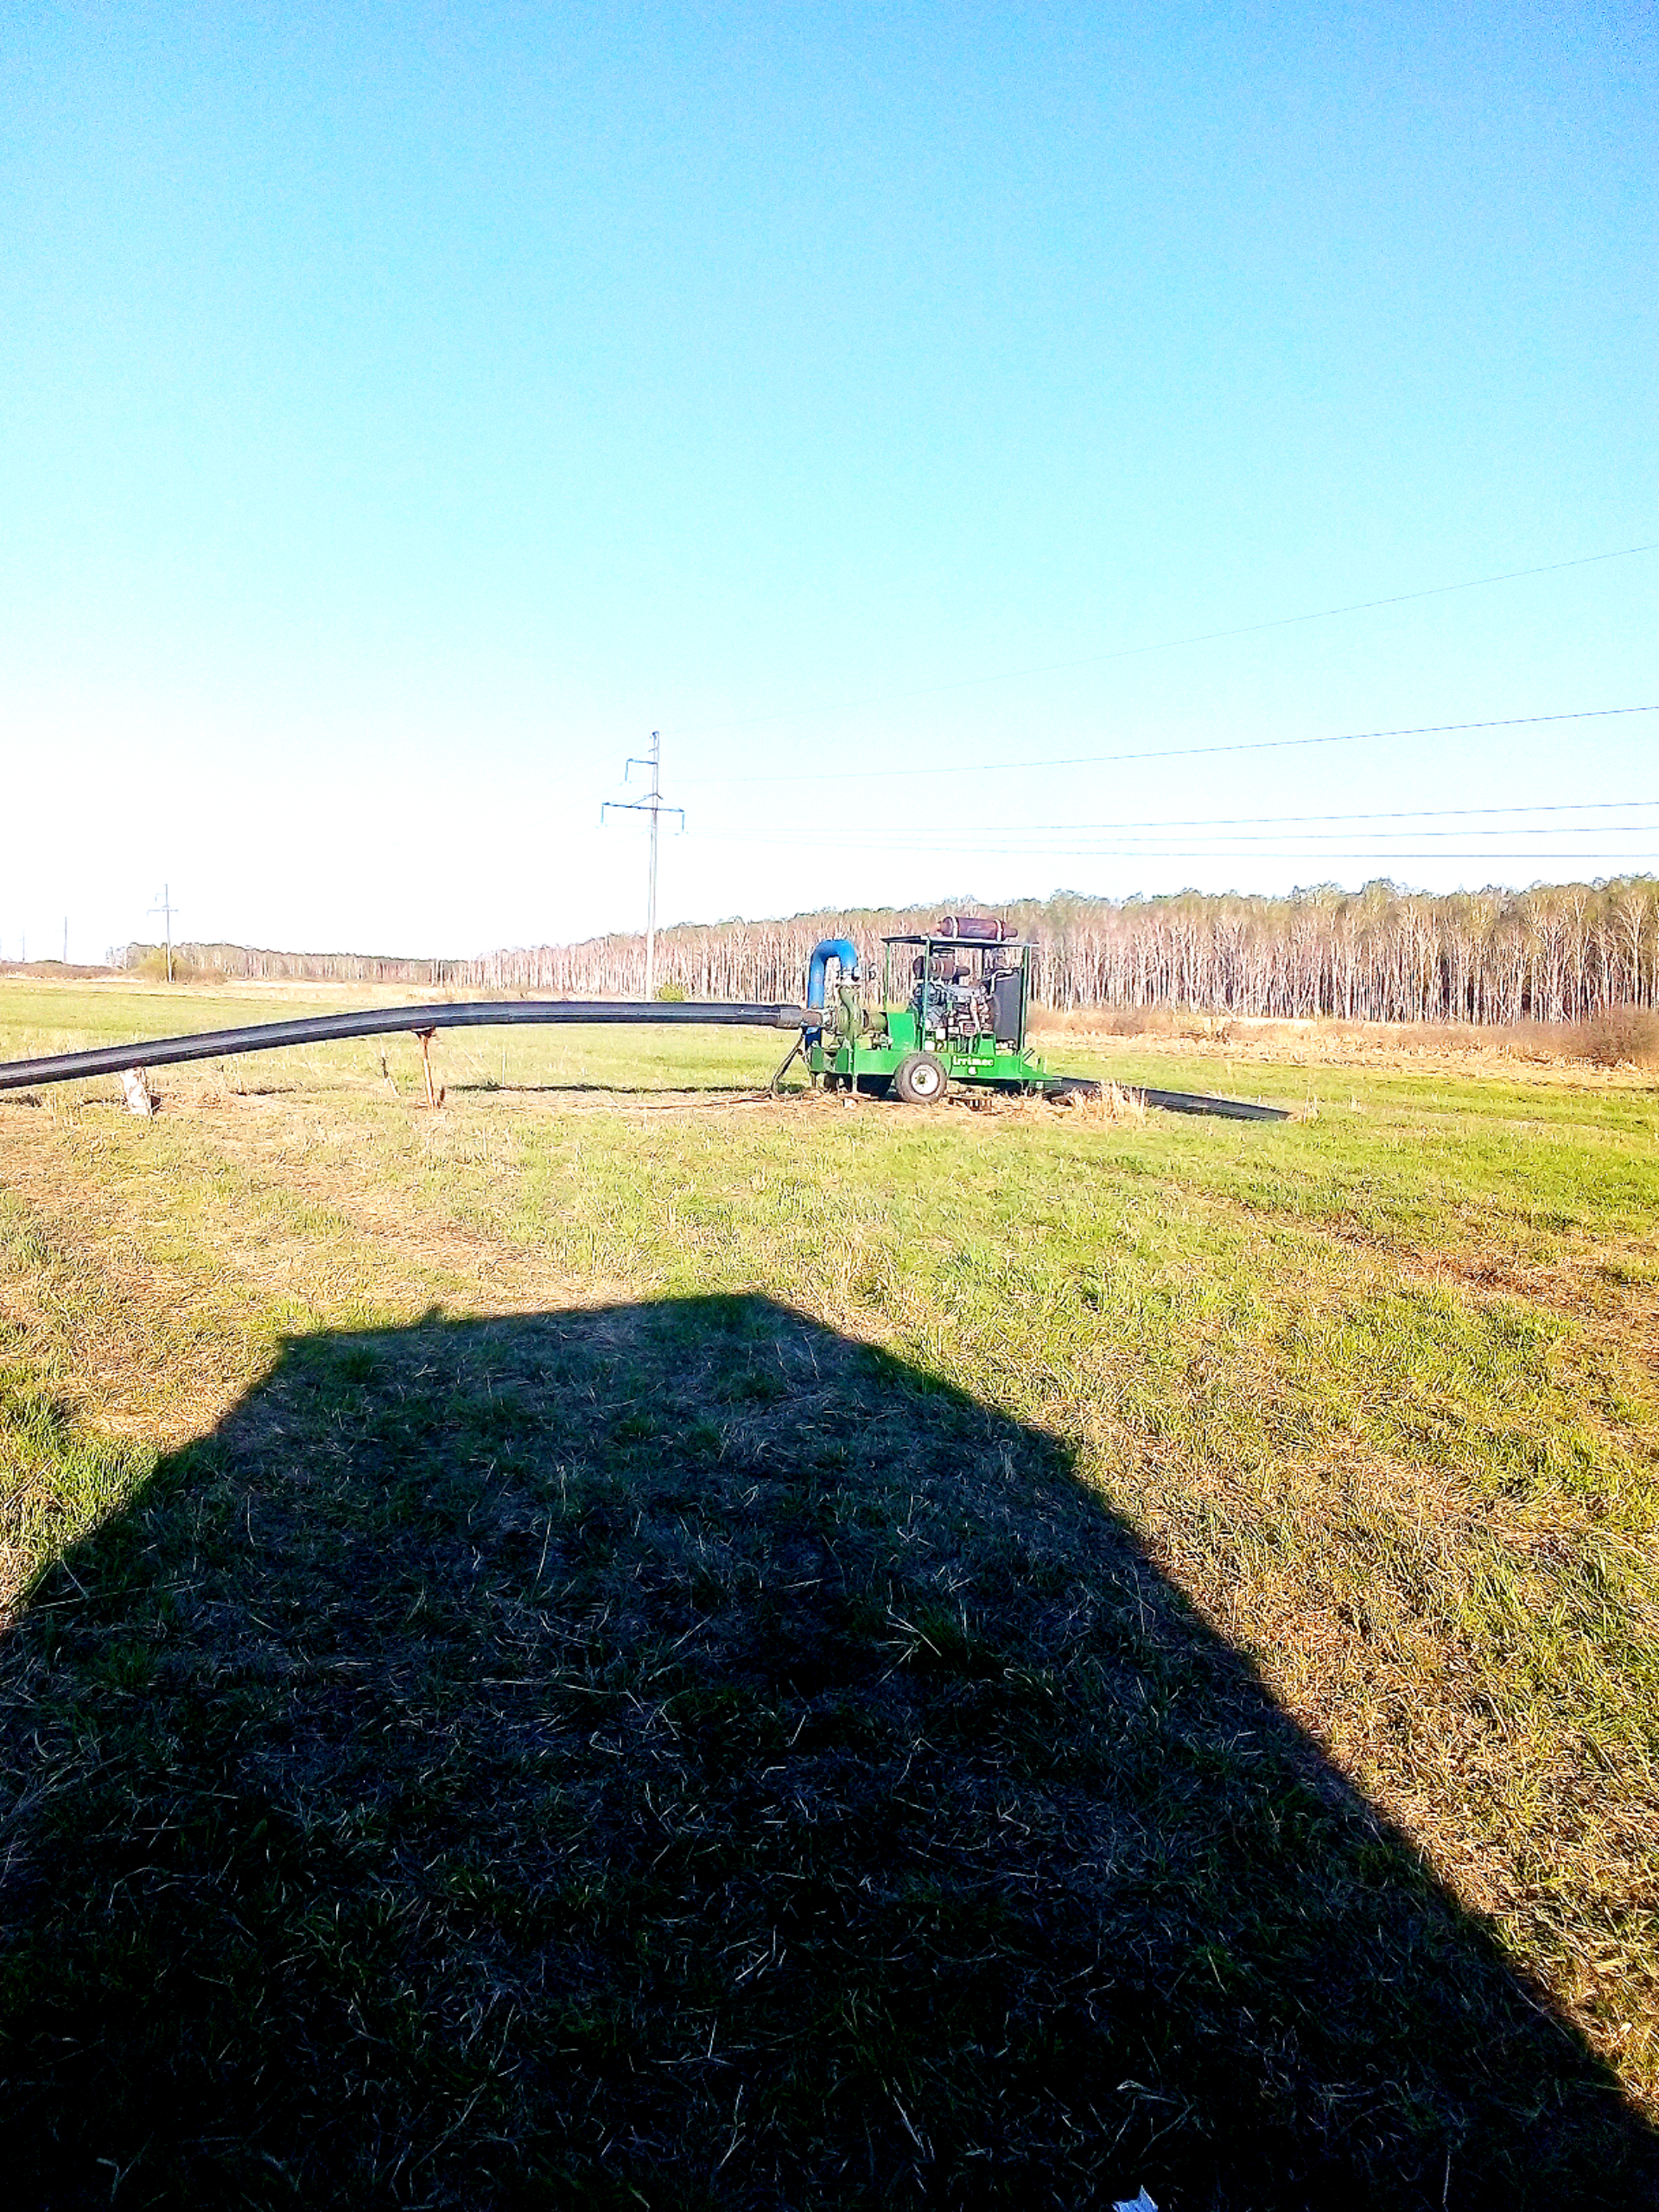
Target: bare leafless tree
[1556,952]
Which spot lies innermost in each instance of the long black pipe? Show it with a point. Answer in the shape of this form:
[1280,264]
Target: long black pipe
[488,1013]
[383,1021]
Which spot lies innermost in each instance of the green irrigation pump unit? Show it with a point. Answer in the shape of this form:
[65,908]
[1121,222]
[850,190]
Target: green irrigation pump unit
[954,1002]
[954,1006]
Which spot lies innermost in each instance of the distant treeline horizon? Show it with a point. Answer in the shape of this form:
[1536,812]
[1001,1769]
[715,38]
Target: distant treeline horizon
[1556,952]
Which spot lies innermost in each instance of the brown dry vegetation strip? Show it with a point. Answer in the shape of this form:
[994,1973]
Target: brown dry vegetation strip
[1609,1283]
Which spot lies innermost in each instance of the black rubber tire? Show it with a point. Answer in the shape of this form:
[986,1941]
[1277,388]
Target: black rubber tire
[919,1079]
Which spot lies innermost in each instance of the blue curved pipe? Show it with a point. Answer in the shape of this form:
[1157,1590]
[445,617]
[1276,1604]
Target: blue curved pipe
[828,948]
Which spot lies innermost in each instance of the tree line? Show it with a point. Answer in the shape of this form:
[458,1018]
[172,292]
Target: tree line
[260,964]
[1556,952]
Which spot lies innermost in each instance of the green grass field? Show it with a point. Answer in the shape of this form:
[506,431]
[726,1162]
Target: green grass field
[626,1642]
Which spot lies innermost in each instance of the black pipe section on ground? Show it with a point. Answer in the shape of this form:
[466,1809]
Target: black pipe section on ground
[1172,1101]
[1232,1110]
[386,1021]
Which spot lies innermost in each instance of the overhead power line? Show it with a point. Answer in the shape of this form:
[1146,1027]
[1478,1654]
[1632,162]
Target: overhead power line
[1156,646]
[1132,827]
[1189,752]
[1014,840]
[1300,853]
[1398,814]
[1640,858]
[1387,856]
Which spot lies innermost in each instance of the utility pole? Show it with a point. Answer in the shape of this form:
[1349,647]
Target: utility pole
[165,909]
[65,940]
[652,806]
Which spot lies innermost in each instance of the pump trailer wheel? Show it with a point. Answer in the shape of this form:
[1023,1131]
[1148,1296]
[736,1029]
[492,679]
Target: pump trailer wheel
[919,1079]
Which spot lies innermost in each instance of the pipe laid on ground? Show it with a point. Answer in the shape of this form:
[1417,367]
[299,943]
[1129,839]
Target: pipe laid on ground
[485,1013]
[1232,1110]
[385,1022]
[1172,1101]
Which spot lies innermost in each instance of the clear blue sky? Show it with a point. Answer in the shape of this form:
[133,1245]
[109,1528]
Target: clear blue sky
[406,409]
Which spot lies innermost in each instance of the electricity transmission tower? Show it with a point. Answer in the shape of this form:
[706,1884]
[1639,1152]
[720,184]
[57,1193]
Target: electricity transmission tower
[167,910]
[651,804]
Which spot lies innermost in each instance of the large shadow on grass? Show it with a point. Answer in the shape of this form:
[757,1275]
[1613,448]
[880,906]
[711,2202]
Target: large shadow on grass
[674,1756]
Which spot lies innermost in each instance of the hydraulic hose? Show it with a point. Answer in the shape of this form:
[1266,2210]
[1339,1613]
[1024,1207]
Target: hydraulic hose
[385,1022]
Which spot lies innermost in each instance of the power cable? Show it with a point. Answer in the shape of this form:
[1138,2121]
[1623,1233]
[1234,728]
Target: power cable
[1278,821]
[1641,858]
[1400,814]
[938,843]
[1158,646]
[1180,752]
[1221,853]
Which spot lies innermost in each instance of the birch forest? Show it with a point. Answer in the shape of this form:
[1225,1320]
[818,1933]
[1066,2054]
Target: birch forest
[1559,952]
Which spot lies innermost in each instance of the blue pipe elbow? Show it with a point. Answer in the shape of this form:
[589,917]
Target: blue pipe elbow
[831,948]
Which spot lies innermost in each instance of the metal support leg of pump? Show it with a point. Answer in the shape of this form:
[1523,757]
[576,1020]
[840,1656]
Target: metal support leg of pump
[787,1062]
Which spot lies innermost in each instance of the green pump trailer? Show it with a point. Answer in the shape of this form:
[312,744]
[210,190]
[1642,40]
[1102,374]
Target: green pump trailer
[955,1008]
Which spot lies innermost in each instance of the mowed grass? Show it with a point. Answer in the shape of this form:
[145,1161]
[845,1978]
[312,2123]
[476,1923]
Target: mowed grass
[629,1642]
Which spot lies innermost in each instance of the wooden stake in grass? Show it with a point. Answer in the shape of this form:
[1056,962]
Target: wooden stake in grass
[433,1097]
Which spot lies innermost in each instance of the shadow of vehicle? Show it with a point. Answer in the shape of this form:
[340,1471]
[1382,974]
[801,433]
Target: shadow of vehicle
[673,1755]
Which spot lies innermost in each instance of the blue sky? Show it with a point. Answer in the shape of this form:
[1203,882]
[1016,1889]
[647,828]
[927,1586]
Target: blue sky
[406,409]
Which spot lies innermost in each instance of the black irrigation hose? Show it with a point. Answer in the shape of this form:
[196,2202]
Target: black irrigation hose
[488,1013]
[1234,1109]
[1173,1101]
[383,1021]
